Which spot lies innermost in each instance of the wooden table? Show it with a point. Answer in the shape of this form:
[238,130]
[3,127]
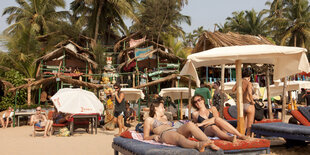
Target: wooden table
[93,118]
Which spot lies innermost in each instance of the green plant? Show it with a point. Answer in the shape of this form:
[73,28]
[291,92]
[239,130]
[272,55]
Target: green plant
[16,79]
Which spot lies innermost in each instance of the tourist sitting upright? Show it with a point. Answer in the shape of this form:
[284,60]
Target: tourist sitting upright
[165,133]
[7,117]
[210,123]
[39,120]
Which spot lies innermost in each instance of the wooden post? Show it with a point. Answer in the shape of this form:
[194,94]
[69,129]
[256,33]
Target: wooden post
[181,107]
[189,97]
[268,94]
[222,90]
[80,78]
[284,100]
[240,119]
[133,80]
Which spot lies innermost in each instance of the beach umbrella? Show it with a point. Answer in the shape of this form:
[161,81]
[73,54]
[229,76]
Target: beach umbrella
[276,88]
[132,94]
[177,93]
[77,101]
[286,60]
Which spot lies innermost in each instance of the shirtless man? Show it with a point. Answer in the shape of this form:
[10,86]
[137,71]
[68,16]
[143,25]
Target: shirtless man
[6,117]
[40,120]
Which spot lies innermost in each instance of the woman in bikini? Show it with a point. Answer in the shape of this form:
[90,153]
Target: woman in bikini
[165,133]
[210,123]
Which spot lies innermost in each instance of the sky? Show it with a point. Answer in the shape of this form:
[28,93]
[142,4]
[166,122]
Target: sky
[204,13]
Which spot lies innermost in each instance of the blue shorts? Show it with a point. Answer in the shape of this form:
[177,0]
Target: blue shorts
[38,125]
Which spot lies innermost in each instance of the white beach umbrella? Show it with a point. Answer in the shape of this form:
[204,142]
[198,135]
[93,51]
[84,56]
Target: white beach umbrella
[286,60]
[132,94]
[77,101]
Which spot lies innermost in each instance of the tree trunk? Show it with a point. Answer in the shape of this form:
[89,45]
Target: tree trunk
[97,22]
[240,119]
[284,100]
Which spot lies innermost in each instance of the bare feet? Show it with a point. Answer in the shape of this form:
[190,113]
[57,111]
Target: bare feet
[243,137]
[233,138]
[116,135]
[209,144]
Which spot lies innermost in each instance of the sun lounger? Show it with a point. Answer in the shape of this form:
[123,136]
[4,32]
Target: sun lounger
[285,130]
[133,146]
[230,113]
[302,115]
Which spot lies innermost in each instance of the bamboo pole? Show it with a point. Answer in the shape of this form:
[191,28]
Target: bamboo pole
[181,113]
[222,90]
[240,119]
[189,97]
[268,94]
[284,100]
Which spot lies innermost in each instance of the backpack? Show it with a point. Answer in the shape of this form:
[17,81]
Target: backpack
[259,111]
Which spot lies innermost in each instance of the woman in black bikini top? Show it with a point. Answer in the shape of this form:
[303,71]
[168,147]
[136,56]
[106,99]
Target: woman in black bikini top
[211,124]
[165,133]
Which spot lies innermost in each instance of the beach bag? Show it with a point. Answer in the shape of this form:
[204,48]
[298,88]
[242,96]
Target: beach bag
[139,127]
[259,111]
[64,132]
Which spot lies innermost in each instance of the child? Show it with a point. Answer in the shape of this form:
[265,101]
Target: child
[129,115]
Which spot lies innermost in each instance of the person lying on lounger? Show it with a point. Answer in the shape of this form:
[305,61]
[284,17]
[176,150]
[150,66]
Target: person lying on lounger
[40,121]
[165,133]
[210,123]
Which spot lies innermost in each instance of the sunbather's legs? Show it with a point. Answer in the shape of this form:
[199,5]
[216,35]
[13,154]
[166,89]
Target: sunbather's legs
[175,138]
[49,126]
[224,125]
[7,122]
[250,113]
[190,129]
[213,129]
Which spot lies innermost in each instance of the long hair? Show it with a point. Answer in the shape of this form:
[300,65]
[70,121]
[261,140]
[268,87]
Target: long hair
[192,100]
[155,103]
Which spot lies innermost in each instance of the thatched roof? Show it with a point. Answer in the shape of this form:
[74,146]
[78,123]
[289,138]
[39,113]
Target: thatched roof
[162,54]
[6,85]
[59,52]
[65,42]
[209,40]
[147,42]
[167,78]
[127,38]
[51,79]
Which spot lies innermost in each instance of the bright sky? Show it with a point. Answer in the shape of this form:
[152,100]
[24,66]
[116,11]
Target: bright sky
[204,13]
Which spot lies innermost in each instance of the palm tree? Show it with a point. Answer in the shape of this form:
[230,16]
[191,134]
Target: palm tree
[38,15]
[293,27]
[104,18]
[248,22]
[176,46]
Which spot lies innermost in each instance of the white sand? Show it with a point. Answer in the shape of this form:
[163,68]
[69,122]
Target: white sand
[19,140]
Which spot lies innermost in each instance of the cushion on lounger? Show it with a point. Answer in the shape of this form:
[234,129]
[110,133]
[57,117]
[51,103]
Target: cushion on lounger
[284,128]
[126,134]
[241,144]
[232,110]
[269,121]
[226,114]
[302,119]
[305,111]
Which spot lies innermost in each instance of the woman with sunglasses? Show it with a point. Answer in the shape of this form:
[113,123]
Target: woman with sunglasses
[165,133]
[210,123]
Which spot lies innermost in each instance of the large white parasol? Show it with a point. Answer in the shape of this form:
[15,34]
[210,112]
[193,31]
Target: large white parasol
[286,60]
[77,101]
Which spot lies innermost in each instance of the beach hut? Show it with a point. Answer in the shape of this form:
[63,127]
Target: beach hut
[286,60]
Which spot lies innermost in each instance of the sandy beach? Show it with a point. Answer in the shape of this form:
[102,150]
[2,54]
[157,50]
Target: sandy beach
[19,140]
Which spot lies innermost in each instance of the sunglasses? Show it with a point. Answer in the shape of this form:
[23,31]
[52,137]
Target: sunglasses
[198,100]
[38,110]
[116,88]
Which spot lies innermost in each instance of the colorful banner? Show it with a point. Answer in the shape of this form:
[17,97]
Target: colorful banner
[139,51]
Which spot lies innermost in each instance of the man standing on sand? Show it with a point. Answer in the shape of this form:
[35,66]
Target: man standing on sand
[40,121]
[6,117]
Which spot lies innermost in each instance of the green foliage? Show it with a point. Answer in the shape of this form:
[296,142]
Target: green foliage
[16,79]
